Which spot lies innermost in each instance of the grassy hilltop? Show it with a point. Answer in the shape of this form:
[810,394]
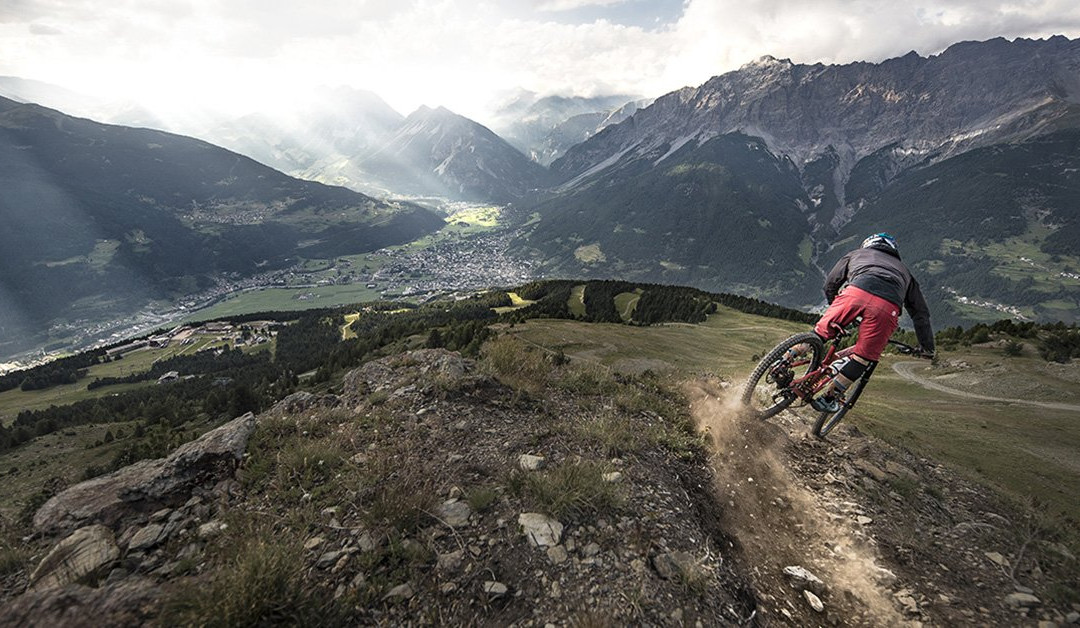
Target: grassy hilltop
[973,442]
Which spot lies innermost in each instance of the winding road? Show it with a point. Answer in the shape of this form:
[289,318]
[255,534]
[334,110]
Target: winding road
[906,370]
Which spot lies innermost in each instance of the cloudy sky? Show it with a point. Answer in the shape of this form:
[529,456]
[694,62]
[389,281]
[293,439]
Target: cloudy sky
[246,54]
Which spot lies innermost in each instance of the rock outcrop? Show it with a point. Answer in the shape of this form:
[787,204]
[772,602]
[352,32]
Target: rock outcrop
[148,485]
[127,603]
[84,552]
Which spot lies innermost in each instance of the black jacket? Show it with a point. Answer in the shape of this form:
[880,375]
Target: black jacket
[880,272]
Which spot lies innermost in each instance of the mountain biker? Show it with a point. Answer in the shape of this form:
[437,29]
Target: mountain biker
[873,283]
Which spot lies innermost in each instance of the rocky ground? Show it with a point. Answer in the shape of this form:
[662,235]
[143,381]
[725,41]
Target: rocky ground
[892,538]
[518,490]
[431,490]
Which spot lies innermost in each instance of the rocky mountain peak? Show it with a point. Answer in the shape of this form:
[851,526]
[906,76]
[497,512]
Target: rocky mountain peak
[972,94]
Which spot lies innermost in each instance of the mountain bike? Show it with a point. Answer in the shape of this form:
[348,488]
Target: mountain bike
[777,383]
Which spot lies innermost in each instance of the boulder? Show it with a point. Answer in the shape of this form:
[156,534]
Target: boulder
[447,369]
[451,561]
[802,578]
[211,529]
[814,601]
[130,602]
[557,555]
[86,551]
[495,588]
[400,592]
[672,565]
[303,401]
[147,537]
[148,485]
[871,469]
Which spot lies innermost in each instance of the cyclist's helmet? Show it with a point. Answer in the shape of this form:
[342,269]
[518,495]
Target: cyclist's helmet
[881,241]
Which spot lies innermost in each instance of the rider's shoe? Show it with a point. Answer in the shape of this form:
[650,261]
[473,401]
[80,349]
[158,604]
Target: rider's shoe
[825,403]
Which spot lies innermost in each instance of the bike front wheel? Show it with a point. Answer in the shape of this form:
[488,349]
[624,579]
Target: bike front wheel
[768,391]
[828,420]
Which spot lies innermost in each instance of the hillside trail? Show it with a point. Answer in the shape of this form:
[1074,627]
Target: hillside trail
[778,521]
[906,370]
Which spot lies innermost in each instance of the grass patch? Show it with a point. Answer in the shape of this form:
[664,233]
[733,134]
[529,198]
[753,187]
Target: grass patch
[586,378]
[576,302]
[308,466]
[481,498]
[615,434]
[626,303]
[261,583]
[396,497]
[516,363]
[573,489]
[291,456]
[13,557]
[516,303]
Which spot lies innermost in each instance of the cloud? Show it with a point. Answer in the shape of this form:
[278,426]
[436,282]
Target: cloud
[44,29]
[459,53]
[569,5]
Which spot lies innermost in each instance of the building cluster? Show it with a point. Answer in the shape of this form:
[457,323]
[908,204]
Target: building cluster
[237,335]
[450,266]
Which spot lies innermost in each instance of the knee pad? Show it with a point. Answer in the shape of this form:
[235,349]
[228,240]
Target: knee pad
[852,368]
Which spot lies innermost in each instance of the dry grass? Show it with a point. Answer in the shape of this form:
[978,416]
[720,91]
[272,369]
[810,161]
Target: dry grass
[573,489]
[261,583]
[13,557]
[516,364]
[394,496]
[615,434]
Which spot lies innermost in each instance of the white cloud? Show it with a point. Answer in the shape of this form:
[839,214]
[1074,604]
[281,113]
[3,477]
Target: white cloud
[256,53]
[44,29]
[569,5]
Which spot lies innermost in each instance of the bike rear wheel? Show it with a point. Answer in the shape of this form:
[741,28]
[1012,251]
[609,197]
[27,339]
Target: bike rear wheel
[767,392]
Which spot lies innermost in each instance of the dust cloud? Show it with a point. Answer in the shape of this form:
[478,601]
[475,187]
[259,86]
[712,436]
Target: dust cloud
[778,522]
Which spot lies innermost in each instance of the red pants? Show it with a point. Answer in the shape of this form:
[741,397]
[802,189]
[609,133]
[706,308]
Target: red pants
[880,318]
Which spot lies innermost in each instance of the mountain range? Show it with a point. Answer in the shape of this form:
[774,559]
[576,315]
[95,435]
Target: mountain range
[99,219]
[850,149]
[435,152]
[545,128]
[753,182]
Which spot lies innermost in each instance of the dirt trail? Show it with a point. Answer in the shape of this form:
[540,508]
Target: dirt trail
[780,522]
[898,539]
[907,371]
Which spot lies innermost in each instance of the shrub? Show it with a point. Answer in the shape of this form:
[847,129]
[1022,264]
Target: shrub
[13,557]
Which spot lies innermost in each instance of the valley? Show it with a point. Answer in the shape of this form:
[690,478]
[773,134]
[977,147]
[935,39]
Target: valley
[469,253]
[753,182]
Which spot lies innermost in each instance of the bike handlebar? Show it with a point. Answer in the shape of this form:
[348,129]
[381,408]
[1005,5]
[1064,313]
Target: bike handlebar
[907,349]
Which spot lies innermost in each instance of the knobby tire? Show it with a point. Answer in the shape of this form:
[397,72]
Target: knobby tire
[757,378]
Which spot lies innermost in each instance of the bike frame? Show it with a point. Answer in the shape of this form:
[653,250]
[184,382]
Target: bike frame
[809,385]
